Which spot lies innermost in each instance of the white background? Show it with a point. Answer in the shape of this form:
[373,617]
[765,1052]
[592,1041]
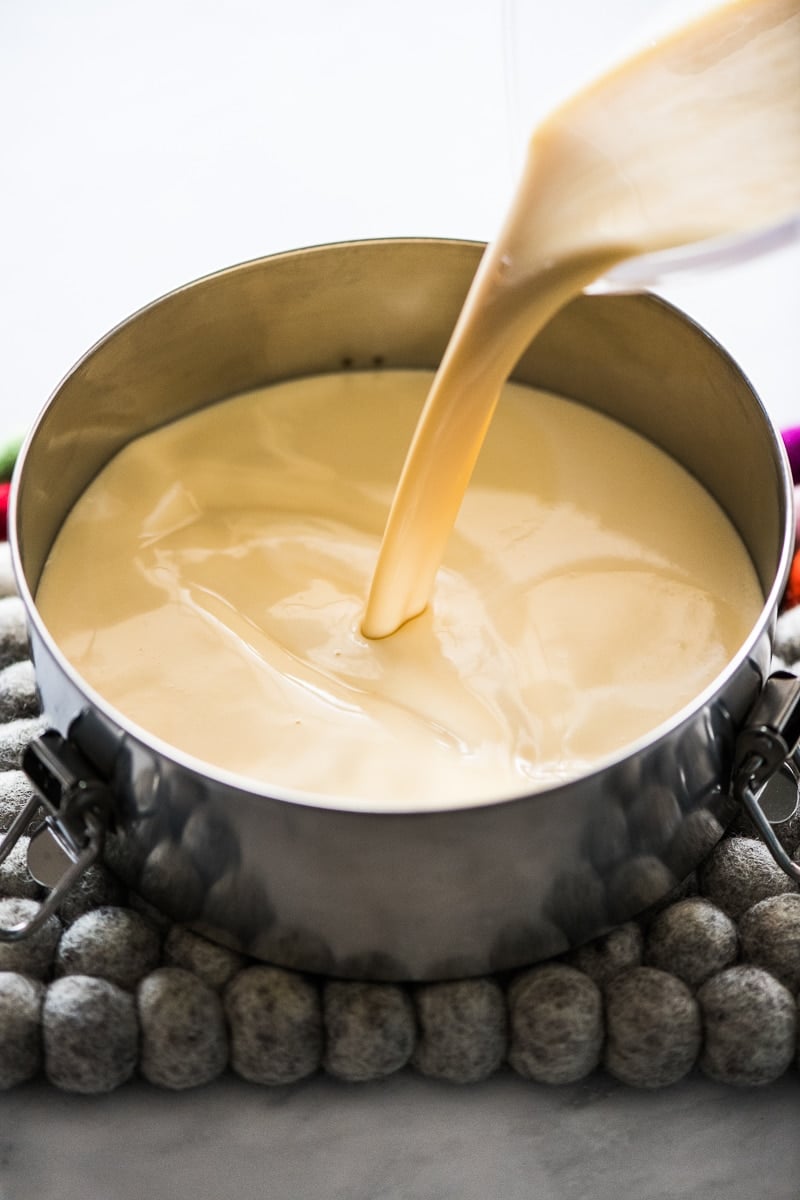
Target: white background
[146,142]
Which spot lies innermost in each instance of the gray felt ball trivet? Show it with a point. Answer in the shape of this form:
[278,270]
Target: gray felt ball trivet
[15,792]
[369,1029]
[741,871]
[96,888]
[462,1034]
[216,965]
[653,1028]
[15,878]
[20,1028]
[749,1026]
[90,1034]
[18,694]
[275,1023]
[787,635]
[112,943]
[770,933]
[8,582]
[13,631]
[184,1041]
[15,737]
[787,832]
[34,955]
[693,939]
[556,1017]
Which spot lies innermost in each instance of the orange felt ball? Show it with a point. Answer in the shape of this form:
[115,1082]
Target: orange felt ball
[791,597]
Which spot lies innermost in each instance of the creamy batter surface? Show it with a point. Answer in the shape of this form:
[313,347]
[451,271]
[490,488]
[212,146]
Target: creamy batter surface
[210,584]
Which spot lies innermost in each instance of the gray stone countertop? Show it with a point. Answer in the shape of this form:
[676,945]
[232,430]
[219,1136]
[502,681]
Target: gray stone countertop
[406,1138]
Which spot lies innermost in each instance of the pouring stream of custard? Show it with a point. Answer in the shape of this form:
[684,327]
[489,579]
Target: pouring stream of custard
[696,137]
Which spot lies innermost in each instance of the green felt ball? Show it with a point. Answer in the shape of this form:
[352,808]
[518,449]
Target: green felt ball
[8,456]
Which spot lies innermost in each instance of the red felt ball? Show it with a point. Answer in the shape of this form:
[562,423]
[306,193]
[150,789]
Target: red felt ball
[5,488]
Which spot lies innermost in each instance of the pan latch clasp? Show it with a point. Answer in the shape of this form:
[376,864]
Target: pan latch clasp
[76,807]
[765,773]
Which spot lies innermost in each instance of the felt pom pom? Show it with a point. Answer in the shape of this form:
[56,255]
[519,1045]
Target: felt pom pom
[8,457]
[791,440]
[9,451]
[5,488]
[791,597]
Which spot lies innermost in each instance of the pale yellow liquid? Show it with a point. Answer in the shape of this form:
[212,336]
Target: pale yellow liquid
[697,136]
[210,584]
